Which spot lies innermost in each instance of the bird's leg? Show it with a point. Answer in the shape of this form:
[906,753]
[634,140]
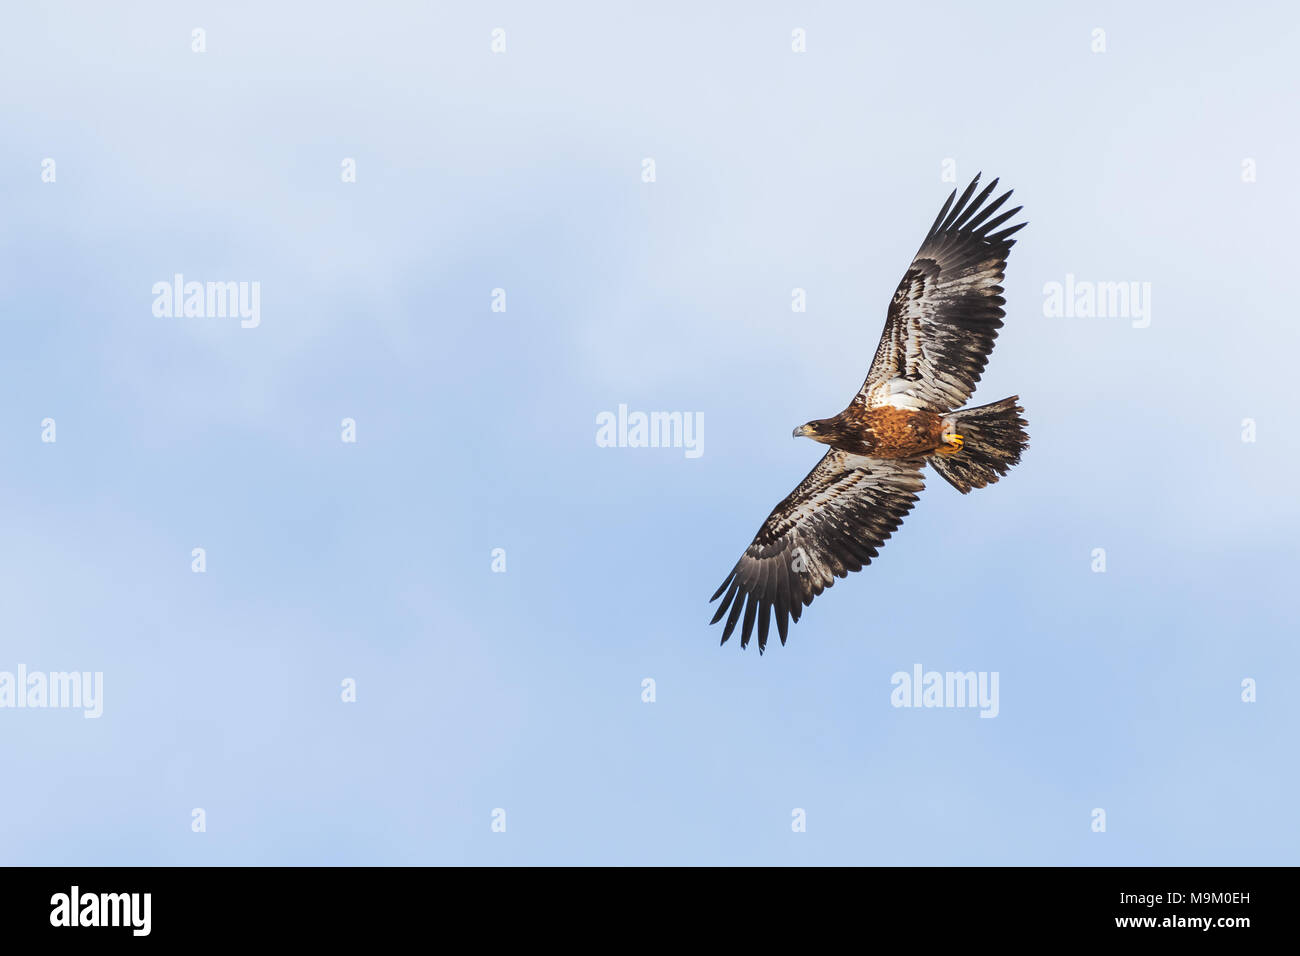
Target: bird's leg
[952,443]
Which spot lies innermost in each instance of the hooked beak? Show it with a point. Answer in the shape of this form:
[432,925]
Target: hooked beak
[801,431]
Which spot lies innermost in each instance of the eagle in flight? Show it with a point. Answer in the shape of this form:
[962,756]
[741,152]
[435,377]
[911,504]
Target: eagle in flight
[942,321]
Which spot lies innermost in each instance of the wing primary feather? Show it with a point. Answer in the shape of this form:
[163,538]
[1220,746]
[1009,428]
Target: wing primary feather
[799,584]
[726,603]
[782,604]
[974,207]
[994,223]
[1001,236]
[976,225]
[934,227]
[737,605]
[730,577]
[751,606]
[961,204]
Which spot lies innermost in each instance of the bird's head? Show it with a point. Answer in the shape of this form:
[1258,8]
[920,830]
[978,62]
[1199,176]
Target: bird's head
[820,430]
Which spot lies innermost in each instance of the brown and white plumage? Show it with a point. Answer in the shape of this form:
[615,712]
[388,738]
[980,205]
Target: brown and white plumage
[939,330]
[834,522]
[947,309]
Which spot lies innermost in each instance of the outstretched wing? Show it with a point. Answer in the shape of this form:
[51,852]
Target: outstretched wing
[946,312]
[834,522]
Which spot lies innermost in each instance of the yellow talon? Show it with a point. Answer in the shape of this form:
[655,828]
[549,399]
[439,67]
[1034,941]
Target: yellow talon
[952,444]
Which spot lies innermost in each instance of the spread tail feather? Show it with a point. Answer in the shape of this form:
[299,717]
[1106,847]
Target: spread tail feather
[992,438]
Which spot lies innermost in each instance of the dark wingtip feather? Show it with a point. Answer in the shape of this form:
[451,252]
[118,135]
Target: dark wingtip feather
[974,206]
[737,605]
[967,215]
[934,226]
[726,603]
[961,204]
[717,615]
[999,220]
[1002,236]
[747,629]
[977,225]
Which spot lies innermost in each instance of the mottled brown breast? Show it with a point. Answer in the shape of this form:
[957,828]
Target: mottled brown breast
[902,432]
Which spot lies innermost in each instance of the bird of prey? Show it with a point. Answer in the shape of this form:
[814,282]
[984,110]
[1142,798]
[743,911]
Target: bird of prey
[939,331]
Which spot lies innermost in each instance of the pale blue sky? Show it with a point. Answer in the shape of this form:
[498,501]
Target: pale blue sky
[476,430]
